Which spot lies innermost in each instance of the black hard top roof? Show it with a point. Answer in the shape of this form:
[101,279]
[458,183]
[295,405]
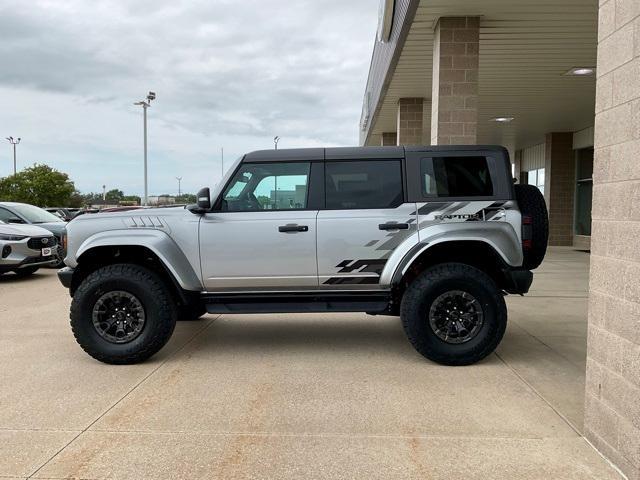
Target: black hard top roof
[350,153]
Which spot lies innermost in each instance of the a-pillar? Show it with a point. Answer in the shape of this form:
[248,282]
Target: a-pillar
[454,102]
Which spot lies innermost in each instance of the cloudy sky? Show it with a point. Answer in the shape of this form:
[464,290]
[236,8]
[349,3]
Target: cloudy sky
[230,73]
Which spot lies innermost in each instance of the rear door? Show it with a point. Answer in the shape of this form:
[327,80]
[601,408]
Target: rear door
[364,219]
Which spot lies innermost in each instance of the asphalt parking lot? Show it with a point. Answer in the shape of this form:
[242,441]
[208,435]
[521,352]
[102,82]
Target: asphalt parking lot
[298,396]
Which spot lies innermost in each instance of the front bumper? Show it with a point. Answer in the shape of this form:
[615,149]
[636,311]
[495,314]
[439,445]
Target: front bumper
[65,275]
[18,254]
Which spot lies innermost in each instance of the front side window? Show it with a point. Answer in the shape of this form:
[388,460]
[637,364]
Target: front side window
[363,184]
[5,215]
[268,186]
[456,177]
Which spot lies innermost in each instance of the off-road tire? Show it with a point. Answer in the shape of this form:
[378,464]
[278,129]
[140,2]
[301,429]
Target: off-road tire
[150,290]
[191,311]
[25,272]
[421,293]
[531,203]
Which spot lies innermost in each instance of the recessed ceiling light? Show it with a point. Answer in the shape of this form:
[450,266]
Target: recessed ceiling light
[581,71]
[502,119]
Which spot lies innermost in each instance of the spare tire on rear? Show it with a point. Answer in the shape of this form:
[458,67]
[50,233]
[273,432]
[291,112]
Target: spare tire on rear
[535,225]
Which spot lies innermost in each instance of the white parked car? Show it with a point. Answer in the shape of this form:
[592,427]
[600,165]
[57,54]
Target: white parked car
[26,248]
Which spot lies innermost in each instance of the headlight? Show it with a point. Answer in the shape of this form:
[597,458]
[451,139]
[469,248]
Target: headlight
[12,238]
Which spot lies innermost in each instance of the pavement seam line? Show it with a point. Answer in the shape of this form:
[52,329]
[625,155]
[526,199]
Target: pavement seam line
[330,435]
[539,340]
[535,391]
[132,389]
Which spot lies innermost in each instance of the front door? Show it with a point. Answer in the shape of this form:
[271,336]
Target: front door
[263,234]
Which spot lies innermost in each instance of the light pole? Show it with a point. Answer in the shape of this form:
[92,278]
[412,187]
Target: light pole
[104,192]
[14,142]
[179,180]
[146,104]
[276,139]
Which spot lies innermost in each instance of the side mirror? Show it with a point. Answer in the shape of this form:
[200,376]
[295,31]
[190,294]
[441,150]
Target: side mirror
[203,199]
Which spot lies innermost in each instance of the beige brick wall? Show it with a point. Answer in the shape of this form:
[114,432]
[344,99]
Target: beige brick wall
[560,184]
[409,121]
[612,404]
[454,109]
[388,139]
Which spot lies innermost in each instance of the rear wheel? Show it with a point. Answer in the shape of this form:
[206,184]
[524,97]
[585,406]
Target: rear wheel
[122,314]
[453,314]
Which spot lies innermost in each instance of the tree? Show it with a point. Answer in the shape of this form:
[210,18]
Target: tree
[132,199]
[91,198]
[186,198]
[38,185]
[114,196]
[76,200]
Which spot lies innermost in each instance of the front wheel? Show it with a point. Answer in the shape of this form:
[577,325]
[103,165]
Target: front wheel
[122,314]
[454,314]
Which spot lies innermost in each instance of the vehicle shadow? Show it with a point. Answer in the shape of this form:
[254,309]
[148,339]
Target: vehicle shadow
[11,277]
[353,335]
[307,333]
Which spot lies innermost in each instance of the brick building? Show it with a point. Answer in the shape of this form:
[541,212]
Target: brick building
[558,84]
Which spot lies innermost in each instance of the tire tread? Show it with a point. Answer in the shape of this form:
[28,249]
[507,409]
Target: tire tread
[141,276]
[443,272]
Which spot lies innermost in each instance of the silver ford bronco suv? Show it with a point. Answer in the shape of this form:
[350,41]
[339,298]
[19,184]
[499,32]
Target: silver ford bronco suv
[435,235]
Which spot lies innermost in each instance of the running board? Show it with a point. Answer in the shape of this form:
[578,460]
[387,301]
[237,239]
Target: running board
[303,302]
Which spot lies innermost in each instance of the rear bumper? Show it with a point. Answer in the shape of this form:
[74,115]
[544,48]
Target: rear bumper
[518,280]
[65,275]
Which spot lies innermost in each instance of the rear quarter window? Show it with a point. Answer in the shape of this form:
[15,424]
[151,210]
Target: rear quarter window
[456,177]
[464,175]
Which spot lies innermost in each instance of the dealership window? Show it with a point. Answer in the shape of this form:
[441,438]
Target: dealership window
[584,187]
[536,178]
[456,177]
[363,184]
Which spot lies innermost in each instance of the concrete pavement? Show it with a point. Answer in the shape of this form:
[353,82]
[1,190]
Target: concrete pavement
[298,396]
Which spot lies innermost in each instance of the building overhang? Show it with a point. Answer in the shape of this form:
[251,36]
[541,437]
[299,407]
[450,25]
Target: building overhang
[528,51]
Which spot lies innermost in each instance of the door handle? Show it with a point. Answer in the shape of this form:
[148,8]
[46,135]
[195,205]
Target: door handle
[293,228]
[393,226]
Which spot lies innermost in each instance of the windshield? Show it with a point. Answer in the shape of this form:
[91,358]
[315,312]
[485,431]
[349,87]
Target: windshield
[35,214]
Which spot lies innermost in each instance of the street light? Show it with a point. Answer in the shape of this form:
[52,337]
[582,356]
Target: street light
[146,104]
[14,142]
[276,139]
[179,180]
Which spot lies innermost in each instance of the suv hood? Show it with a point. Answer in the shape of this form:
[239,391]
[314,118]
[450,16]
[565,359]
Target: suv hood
[28,230]
[57,228]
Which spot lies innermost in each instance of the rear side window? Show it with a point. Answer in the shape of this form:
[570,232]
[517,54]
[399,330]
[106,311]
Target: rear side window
[455,177]
[363,184]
